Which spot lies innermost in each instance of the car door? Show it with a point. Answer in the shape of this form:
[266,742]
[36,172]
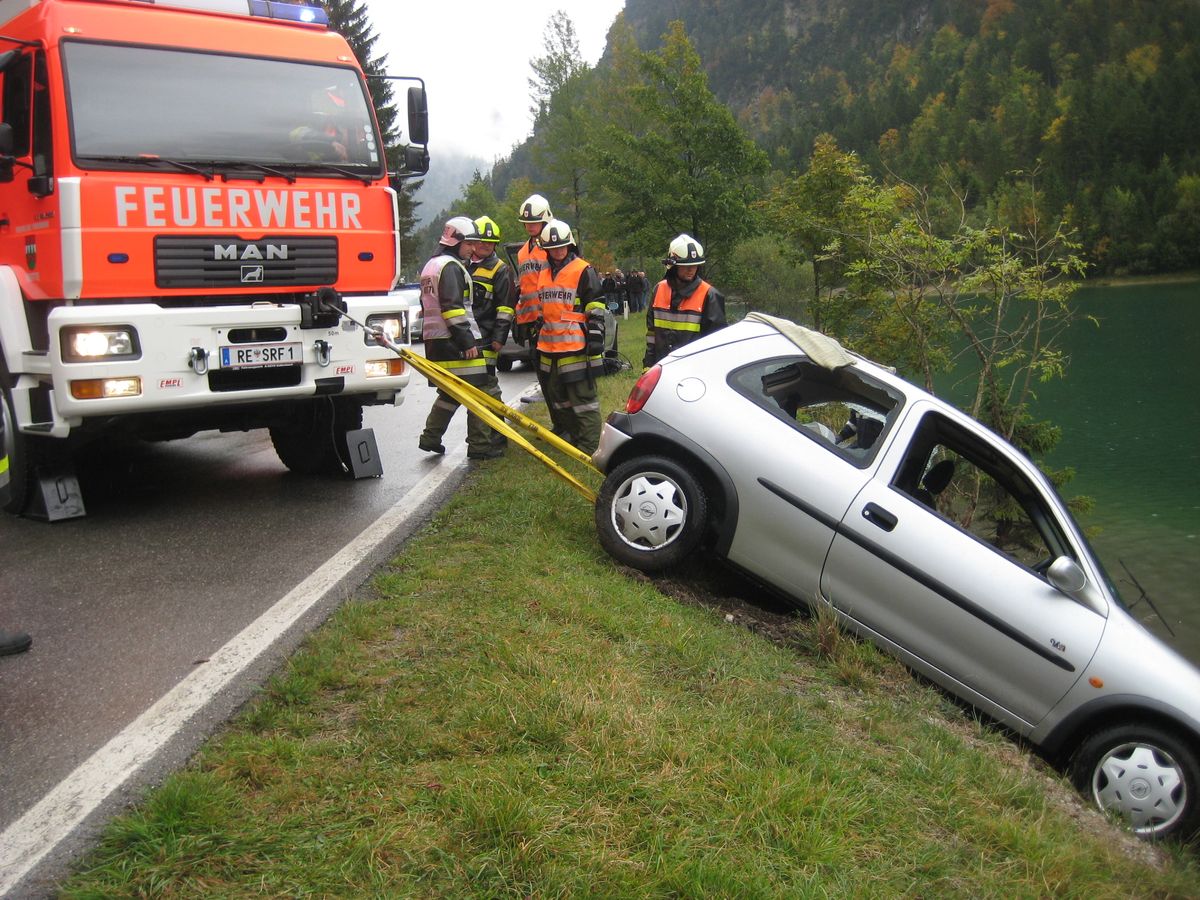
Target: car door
[799,465]
[956,581]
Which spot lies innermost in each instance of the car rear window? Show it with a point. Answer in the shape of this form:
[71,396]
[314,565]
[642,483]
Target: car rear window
[842,410]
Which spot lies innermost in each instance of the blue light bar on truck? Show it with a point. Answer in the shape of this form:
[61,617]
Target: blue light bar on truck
[263,9]
[291,12]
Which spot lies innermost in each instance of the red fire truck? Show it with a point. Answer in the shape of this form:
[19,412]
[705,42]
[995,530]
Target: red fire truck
[189,191]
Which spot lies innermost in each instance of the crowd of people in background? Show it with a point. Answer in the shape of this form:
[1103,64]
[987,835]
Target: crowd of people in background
[627,290]
[556,304]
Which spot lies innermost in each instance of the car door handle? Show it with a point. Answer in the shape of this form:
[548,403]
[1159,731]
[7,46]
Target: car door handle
[877,515]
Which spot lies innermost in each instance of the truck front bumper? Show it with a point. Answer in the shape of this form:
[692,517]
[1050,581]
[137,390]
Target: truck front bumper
[109,360]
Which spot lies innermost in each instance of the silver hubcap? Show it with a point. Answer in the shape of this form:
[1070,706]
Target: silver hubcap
[1143,784]
[648,511]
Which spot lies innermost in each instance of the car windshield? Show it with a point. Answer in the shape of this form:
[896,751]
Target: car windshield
[129,103]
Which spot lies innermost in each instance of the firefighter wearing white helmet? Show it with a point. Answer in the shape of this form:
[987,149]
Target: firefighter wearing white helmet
[570,343]
[451,333]
[533,213]
[685,306]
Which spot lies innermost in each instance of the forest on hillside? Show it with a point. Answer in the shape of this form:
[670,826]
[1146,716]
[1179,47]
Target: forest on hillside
[928,180]
[1101,98]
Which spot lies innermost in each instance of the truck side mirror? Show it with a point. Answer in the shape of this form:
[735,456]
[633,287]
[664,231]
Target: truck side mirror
[7,58]
[418,116]
[416,160]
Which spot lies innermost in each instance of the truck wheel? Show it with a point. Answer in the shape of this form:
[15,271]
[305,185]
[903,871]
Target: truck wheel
[16,465]
[504,363]
[313,442]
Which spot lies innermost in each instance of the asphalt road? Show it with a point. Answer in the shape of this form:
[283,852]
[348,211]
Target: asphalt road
[185,544]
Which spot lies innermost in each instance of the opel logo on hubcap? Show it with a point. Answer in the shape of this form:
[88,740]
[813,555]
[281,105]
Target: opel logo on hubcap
[1140,789]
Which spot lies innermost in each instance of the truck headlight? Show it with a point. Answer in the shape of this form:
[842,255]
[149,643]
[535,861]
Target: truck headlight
[391,324]
[87,343]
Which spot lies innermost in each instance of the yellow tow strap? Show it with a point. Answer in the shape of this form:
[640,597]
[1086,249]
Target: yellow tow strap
[494,412]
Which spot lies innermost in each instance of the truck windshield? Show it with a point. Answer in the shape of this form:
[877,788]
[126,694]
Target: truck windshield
[129,101]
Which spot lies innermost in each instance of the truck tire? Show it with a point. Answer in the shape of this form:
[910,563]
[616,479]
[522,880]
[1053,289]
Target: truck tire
[17,463]
[313,441]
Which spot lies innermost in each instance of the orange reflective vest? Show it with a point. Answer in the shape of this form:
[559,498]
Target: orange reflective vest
[688,316]
[531,262]
[562,324]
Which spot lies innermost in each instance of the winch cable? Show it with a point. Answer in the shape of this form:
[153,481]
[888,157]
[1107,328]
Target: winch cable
[491,411]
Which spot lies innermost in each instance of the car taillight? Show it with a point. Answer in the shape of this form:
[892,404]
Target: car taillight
[642,390]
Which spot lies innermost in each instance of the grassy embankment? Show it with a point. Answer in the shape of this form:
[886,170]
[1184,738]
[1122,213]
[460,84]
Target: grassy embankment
[503,712]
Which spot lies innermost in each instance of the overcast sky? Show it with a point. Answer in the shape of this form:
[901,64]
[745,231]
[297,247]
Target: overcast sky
[486,46]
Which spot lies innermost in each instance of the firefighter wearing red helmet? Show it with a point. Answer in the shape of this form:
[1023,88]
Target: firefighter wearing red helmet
[685,306]
[452,335]
[570,343]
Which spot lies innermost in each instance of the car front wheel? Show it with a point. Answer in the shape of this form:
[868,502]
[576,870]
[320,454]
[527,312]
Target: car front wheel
[1146,775]
[650,513]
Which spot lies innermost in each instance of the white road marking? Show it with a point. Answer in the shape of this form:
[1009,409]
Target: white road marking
[52,819]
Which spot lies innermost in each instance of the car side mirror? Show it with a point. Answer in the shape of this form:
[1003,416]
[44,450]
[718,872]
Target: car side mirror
[1066,576]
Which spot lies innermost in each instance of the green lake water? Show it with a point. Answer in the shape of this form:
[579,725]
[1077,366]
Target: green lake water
[1130,413]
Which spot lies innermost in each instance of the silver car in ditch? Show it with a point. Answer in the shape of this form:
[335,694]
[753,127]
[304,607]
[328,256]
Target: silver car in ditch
[844,487]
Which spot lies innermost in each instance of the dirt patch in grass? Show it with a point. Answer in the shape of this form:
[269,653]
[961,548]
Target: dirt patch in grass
[710,585]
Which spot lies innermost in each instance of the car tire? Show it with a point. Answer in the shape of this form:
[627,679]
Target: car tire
[1145,774]
[650,513]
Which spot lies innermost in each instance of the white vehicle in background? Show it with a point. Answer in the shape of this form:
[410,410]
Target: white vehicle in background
[408,297]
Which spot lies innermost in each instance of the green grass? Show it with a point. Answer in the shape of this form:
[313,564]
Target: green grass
[503,712]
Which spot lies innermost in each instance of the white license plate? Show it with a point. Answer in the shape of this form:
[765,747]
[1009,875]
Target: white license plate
[246,356]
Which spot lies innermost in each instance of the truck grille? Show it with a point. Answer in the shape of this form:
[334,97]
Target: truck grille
[227,262]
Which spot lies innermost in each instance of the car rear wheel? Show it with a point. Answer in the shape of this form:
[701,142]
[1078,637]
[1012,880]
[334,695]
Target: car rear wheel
[650,513]
[1145,774]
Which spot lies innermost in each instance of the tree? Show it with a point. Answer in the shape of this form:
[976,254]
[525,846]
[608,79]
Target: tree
[556,67]
[990,301]
[688,167]
[565,103]
[822,216]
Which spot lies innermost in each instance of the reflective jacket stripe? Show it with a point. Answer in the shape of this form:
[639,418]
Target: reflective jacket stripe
[464,367]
